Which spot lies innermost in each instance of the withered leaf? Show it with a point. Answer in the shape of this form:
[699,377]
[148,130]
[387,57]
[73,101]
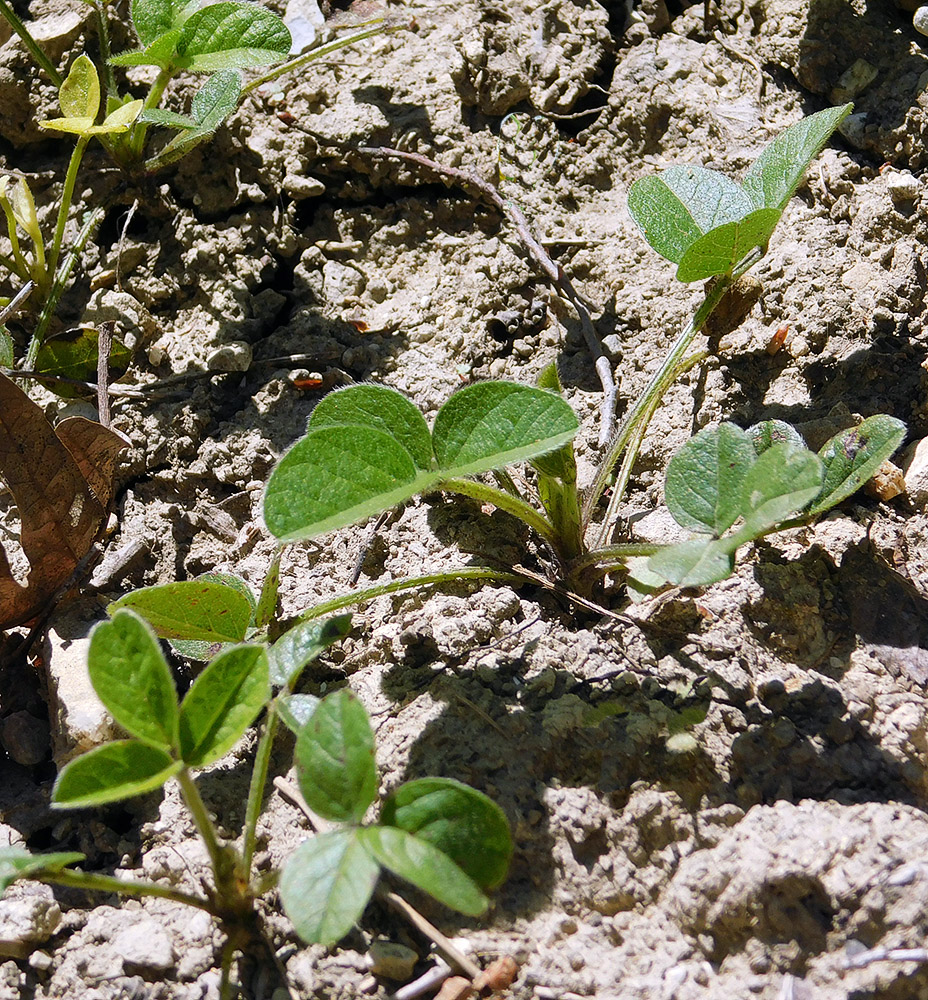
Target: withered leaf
[61,480]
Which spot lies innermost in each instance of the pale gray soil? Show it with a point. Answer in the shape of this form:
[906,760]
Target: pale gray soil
[797,827]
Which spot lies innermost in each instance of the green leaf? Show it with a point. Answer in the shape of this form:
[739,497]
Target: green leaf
[79,95]
[266,611]
[232,35]
[73,354]
[695,563]
[201,649]
[325,885]
[153,18]
[492,424]
[191,609]
[120,120]
[776,173]
[721,248]
[169,119]
[23,205]
[770,432]
[6,348]
[335,759]
[336,476]
[16,863]
[854,456]
[296,709]
[381,408]
[132,679]
[302,644]
[118,770]
[425,866]
[782,480]
[705,478]
[217,99]
[222,703]
[460,821]
[683,203]
[160,52]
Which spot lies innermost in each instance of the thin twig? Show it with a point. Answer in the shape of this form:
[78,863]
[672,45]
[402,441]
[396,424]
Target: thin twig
[18,299]
[104,345]
[539,257]
[865,958]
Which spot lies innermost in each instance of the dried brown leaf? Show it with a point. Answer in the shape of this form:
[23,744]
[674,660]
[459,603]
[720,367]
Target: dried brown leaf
[61,510]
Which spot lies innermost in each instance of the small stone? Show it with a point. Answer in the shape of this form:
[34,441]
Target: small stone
[391,960]
[887,482]
[915,472]
[920,20]
[854,81]
[498,975]
[902,185]
[25,738]
[299,187]
[27,921]
[456,988]
[41,961]
[232,357]
[145,947]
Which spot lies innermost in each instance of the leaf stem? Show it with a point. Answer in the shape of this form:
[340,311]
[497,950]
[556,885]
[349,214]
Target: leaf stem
[61,279]
[92,882]
[307,57]
[613,555]
[256,788]
[205,827]
[671,367]
[484,493]
[409,583]
[152,100]
[67,195]
[7,12]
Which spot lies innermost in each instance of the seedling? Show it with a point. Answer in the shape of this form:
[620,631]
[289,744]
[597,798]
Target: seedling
[368,448]
[449,840]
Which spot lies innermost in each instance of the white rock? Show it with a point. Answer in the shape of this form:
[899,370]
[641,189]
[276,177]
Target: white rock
[920,20]
[902,185]
[232,357]
[915,472]
[145,945]
[79,720]
[27,921]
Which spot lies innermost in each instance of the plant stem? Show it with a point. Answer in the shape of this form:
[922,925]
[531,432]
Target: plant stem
[613,555]
[103,38]
[64,208]
[663,378]
[152,100]
[7,12]
[256,788]
[204,826]
[92,882]
[61,279]
[409,583]
[314,54]
[225,981]
[525,512]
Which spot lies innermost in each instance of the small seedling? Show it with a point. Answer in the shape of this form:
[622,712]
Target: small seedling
[449,840]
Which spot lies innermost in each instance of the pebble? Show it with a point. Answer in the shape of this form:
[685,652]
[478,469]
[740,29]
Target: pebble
[902,185]
[391,960]
[920,20]
[145,946]
[915,472]
[26,921]
[232,357]
[25,738]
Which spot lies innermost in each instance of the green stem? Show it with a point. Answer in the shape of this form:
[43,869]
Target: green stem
[256,788]
[225,979]
[662,379]
[613,555]
[92,882]
[409,583]
[7,12]
[152,100]
[314,54]
[103,39]
[525,512]
[67,194]
[61,280]
[18,265]
[205,828]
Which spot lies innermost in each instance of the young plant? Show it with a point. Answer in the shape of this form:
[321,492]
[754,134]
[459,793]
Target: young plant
[766,479]
[446,838]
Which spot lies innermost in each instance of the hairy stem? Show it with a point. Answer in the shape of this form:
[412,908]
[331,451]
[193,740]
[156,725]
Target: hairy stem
[525,512]
[256,788]
[92,882]
[410,583]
